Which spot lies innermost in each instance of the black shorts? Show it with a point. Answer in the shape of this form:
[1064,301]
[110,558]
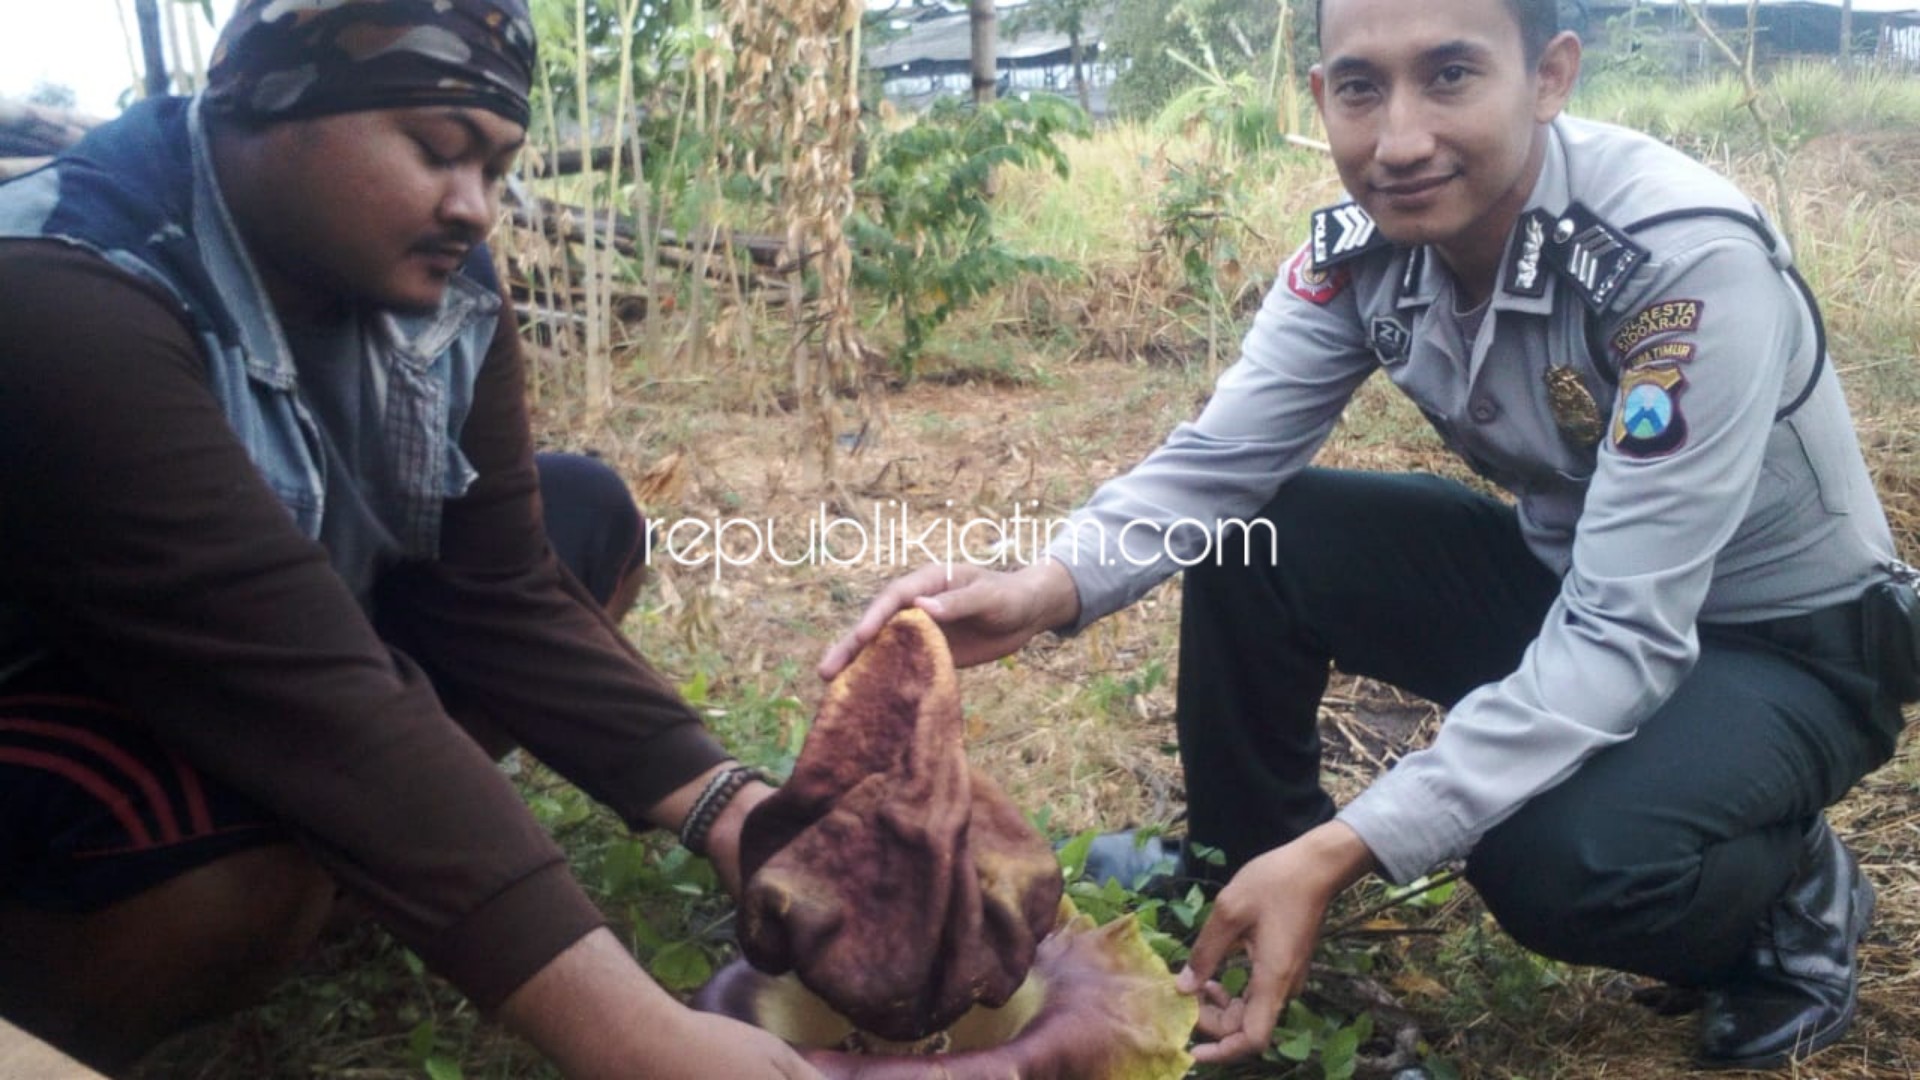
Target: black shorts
[94,809]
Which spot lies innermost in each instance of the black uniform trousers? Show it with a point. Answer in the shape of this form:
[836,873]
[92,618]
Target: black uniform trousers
[1659,855]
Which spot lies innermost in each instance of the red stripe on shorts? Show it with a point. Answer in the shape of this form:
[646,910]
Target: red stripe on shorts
[196,794]
[89,781]
[141,775]
[70,701]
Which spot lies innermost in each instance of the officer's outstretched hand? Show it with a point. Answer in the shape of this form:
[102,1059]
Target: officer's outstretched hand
[987,614]
[1272,911]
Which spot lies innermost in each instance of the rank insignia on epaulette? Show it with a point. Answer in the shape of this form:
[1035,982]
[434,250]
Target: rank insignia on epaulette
[1343,232]
[1525,275]
[1593,255]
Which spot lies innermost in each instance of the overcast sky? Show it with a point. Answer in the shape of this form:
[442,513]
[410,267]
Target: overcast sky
[78,44]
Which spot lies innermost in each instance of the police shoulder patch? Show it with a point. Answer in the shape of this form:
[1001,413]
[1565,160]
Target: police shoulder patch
[1342,233]
[1656,321]
[1592,255]
[1312,284]
[1390,339]
[1671,353]
[1647,421]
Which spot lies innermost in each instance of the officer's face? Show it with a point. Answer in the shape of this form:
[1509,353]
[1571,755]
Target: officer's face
[381,205]
[1435,118]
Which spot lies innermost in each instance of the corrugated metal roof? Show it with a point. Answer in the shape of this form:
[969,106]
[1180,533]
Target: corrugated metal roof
[1861,7]
[948,38]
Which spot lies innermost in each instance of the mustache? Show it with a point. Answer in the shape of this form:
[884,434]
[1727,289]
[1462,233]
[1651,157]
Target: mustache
[452,241]
[1395,182]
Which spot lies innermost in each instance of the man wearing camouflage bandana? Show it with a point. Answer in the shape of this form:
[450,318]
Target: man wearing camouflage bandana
[293,59]
[273,572]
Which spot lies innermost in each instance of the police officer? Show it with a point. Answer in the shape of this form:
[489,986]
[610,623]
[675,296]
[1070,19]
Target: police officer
[1657,659]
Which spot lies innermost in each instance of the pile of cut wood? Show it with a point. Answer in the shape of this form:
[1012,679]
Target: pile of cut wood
[731,262]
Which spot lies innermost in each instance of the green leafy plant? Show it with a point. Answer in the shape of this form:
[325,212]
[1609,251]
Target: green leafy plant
[1235,110]
[922,228]
[1197,225]
[1108,694]
[765,726]
[424,1046]
[655,30]
[1151,74]
[1488,972]
[1199,229]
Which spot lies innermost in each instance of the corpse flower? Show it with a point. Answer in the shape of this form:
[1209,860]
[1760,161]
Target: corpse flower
[898,884]
[1098,1005]
[897,901]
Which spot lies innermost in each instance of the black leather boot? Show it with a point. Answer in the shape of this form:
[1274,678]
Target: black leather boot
[1795,992]
[1165,867]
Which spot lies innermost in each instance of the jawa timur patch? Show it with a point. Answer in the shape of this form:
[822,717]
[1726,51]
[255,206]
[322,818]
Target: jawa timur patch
[1671,353]
[1647,422]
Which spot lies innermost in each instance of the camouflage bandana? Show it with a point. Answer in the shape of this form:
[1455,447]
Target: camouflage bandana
[294,59]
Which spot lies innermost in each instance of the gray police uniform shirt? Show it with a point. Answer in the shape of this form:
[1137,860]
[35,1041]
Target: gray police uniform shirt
[1647,385]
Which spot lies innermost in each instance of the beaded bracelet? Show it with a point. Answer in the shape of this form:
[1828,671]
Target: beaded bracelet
[712,799]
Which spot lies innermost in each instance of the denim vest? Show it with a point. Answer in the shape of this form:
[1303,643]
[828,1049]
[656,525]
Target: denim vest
[140,192]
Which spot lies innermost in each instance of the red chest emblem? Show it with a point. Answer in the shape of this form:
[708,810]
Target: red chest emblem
[1314,286]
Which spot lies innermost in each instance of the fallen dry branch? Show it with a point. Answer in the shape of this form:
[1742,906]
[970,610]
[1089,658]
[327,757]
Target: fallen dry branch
[561,226]
[1396,1034]
[573,163]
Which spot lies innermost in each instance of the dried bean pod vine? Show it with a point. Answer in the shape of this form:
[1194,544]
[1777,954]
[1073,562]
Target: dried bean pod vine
[796,88]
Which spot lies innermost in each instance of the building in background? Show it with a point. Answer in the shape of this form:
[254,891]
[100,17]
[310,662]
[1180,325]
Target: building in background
[930,57]
[1879,32]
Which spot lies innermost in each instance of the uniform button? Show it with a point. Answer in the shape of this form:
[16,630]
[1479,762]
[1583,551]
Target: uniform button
[1484,411]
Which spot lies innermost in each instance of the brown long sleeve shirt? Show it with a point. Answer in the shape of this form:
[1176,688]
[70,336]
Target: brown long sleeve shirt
[149,551]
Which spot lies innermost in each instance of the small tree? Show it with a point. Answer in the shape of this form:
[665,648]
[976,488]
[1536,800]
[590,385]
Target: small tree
[923,225]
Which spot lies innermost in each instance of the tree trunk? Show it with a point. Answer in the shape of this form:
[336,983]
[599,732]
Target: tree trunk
[1077,52]
[981,19]
[151,48]
[1846,33]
